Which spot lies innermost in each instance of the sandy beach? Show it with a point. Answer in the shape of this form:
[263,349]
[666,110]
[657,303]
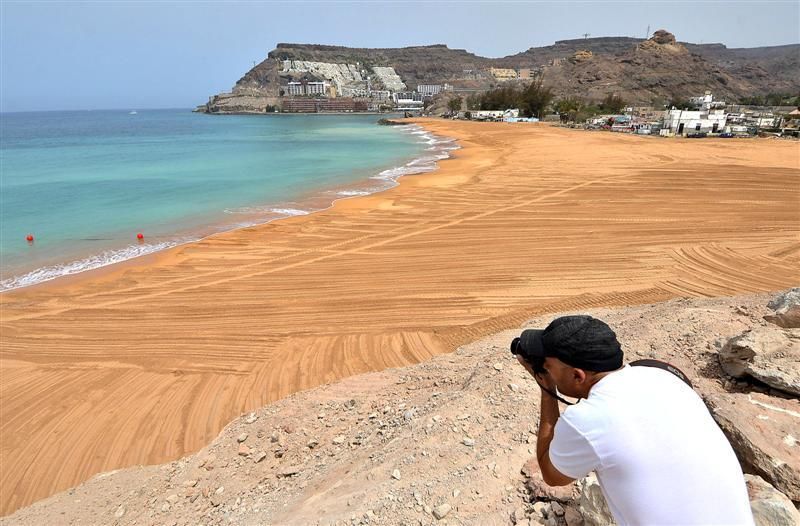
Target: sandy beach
[146,362]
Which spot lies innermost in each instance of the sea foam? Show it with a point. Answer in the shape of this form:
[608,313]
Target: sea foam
[108,257]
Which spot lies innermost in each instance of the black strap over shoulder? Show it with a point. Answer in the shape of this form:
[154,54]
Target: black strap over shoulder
[663,365]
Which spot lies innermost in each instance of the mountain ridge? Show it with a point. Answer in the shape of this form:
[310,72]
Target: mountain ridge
[639,70]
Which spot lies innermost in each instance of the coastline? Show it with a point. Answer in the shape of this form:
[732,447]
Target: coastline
[312,201]
[149,361]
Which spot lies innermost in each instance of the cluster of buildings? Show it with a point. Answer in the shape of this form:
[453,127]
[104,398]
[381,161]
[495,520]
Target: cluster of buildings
[296,93]
[706,117]
[376,88]
[320,105]
[308,86]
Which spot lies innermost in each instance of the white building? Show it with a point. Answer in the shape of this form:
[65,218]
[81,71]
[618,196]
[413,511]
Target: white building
[681,122]
[407,95]
[429,90]
[303,88]
[763,120]
[706,102]
[494,115]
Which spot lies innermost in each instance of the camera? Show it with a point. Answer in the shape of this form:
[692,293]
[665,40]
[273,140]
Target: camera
[529,346]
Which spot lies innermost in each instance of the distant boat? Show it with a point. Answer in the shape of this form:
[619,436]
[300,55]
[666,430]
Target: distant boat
[132,112]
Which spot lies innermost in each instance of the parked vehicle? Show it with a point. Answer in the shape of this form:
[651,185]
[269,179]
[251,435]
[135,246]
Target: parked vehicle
[696,135]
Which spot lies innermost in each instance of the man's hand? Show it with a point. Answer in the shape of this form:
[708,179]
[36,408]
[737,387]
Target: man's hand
[543,379]
[546,381]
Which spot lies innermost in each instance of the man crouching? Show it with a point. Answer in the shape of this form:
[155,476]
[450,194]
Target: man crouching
[658,454]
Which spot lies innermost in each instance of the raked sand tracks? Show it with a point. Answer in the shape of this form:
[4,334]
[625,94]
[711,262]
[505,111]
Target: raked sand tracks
[148,361]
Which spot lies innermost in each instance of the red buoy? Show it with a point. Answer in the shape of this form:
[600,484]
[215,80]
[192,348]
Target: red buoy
[139,236]
[29,237]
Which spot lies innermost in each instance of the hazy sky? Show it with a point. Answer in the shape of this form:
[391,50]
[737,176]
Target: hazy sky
[134,55]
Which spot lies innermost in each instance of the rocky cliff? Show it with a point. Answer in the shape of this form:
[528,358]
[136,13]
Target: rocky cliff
[642,71]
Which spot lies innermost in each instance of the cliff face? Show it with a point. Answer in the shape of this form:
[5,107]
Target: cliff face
[642,71]
[416,65]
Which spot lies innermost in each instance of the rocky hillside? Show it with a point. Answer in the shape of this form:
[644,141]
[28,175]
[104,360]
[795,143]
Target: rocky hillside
[643,71]
[452,441]
[778,67]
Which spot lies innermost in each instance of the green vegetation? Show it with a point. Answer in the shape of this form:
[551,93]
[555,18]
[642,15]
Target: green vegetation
[532,100]
[535,99]
[569,108]
[612,104]
[502,98]
[576,109]
[772,99]
[680,103]
[454,104]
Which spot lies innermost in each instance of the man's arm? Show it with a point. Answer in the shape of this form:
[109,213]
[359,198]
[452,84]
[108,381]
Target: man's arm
[548,415]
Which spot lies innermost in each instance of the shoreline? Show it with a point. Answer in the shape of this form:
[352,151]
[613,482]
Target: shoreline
[149,362]
[315,202]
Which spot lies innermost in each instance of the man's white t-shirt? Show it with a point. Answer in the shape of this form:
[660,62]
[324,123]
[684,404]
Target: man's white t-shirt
[659,456]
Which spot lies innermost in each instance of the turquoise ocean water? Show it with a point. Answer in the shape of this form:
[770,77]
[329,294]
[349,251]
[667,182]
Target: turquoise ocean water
[84,184]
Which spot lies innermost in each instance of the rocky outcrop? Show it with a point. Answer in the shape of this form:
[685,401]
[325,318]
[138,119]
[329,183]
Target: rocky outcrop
[770,506]
[242,101]
[592,504]
[763,431]
[581,56]
[768,354]
[787,309]
[663,41]
[662,37]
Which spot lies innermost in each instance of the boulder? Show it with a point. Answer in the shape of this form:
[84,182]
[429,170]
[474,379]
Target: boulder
[441,511]
[573,517]
[768,354]
[770,506]
[592,504]
[787,309]
[763,433]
